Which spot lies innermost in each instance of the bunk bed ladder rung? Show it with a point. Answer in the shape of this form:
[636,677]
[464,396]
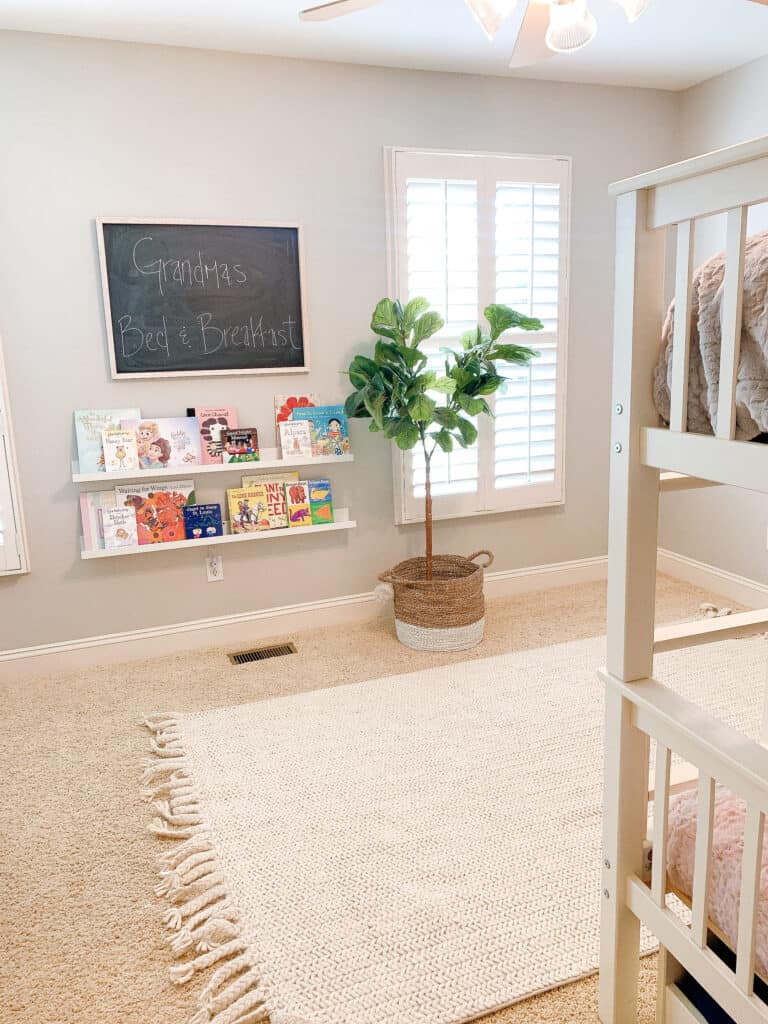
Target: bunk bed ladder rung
[703,858]
[730,322]
[681,336]
[660,824]
[750,893]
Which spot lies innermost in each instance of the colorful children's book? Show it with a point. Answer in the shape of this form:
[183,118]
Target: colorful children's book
[89,424]
[201,521]
[320,502]
[284,406]
[254,479]
[241,445]
[93,504]
[328,426]
[159,508]
[213,425]
[121,451]
[248,509]
[295,440]
[167,443]
[297,499]
[277,510]
[120,528]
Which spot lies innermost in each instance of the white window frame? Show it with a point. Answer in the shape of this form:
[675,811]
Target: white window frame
[404,162]
[10,486]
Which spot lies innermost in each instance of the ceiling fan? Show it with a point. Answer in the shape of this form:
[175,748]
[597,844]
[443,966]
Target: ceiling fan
[542,27]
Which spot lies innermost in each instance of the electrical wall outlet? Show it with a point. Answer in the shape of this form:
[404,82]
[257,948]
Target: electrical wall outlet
[214,566]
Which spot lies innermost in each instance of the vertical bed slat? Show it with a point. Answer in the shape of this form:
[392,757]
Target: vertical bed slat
[704,819]
[750,894]
[660,824]
[681,338]
[730,321]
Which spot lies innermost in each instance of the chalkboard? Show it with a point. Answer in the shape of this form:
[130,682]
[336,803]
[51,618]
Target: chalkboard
[183,297]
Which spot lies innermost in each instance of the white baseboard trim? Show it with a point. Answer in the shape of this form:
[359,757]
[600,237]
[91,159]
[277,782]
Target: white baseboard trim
[736,588]
[253,626]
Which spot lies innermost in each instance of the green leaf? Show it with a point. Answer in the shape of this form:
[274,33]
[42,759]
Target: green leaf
[413,311]
[446,417]
[518,354]
[489,383]
[397,308]
[461,377]
[412,358]
[468,432]
[354,406]
[470,405]
[445,385]
[408,435]
[421,409]
[375,406]
[383,315]
[444,439]
[426,326]
[501,318]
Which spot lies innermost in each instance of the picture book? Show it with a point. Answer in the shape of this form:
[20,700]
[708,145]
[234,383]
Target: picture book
[328,427]
[121,451]
[166,443]
[159,508]
[120,529]
[201,521]
[93,504]
[297,499]
[213,424]
[89,424]
[284,406]
[254,479]
[277,510]
[320,501]
[248,509]
[295,440]
[241,445]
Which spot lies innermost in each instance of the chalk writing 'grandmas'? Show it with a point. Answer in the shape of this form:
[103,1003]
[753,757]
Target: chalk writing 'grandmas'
[195,272]
[204,337]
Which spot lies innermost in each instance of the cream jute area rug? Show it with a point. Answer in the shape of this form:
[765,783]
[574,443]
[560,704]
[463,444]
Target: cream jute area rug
[420,849]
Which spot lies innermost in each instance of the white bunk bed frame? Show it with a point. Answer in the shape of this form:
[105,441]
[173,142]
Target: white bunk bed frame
[638,707]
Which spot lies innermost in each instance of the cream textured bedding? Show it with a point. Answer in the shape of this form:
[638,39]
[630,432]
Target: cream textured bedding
[704,372]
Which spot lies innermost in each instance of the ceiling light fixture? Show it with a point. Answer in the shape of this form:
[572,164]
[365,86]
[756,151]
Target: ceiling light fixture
[571,26]
[634,8]
[491,14]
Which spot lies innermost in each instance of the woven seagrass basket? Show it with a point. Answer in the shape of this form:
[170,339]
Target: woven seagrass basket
[446,613]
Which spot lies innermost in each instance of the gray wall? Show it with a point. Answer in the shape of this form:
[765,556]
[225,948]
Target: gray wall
[95,128]
[721,525]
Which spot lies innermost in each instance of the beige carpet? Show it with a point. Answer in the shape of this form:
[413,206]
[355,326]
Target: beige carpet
[81,932]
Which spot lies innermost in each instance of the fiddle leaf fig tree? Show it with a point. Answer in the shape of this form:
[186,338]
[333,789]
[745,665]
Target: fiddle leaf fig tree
[412,405]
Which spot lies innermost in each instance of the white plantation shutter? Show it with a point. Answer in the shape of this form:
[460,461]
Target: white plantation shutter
[467,231]
[12,555]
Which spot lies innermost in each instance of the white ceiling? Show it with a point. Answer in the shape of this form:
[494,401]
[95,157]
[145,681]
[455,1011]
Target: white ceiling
[677,43]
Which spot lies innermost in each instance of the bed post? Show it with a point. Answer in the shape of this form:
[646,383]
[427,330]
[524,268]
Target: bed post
[632,543]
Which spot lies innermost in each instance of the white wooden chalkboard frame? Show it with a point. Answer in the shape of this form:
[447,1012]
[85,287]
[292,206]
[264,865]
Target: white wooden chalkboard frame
[299,228]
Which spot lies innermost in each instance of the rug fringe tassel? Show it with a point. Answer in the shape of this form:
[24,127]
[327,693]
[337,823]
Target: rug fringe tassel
[201,917]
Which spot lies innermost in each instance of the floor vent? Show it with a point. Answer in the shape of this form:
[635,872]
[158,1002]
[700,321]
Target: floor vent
[262,653]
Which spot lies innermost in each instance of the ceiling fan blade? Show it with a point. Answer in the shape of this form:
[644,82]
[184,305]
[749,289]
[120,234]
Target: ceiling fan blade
[491,14]
[530,47]
[335,9]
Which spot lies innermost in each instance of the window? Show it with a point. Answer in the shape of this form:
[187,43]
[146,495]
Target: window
[12,551]
[465,231]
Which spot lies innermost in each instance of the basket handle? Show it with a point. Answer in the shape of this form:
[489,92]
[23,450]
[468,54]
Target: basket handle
[483,551]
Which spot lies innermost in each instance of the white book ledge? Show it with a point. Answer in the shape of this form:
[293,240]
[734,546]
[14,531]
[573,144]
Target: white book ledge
[343,522]
[244,468]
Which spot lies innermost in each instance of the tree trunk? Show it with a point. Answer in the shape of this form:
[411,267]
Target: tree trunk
[428,516]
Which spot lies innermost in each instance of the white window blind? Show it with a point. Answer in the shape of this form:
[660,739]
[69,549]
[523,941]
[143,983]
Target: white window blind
[12,554]
[467,231]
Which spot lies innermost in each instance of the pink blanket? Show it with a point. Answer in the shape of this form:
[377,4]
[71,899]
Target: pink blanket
[725,875]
